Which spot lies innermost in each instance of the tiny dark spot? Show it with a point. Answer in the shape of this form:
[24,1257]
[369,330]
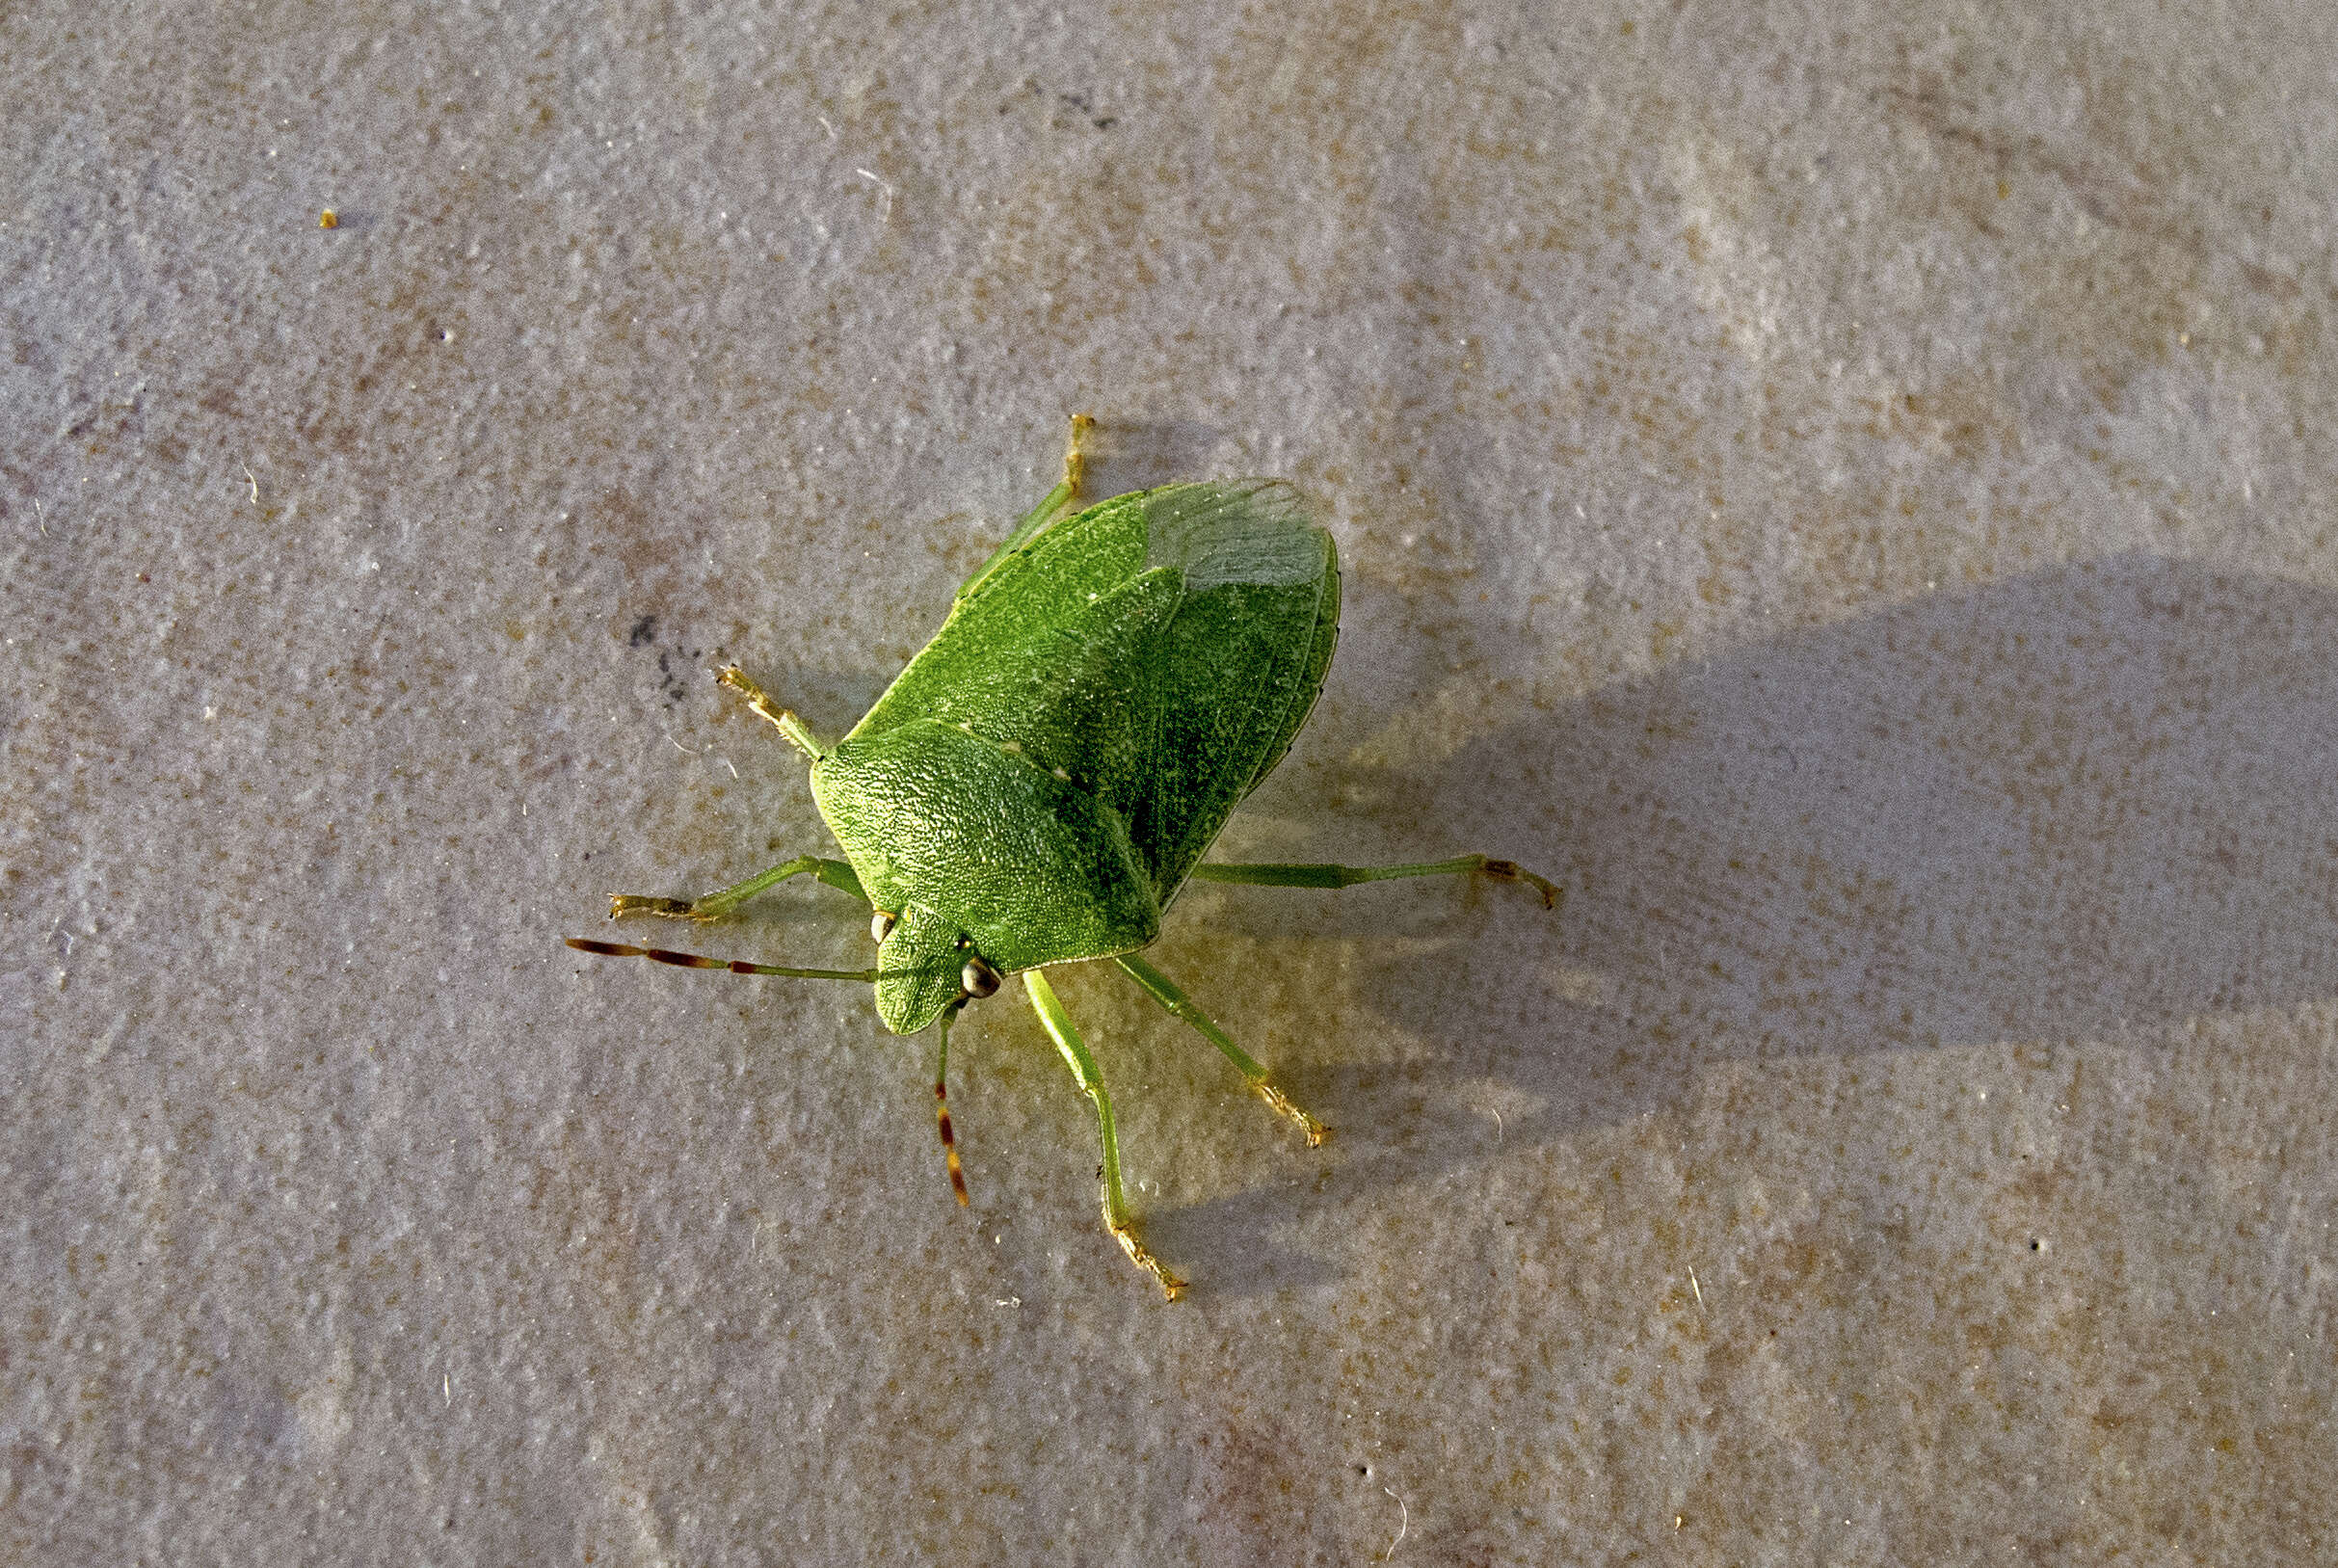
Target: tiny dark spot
[2035,1245]
[644,632]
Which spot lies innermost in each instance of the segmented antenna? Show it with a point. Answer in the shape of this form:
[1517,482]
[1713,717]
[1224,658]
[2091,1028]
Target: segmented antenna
[699,961]
[941,1106]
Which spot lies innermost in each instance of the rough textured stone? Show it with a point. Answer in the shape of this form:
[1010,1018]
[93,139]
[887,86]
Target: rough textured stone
[1847,488]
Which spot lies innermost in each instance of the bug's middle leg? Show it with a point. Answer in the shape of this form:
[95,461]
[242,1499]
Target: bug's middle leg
[1161,989]
[1348,876]
[714,906]
[1058,1025]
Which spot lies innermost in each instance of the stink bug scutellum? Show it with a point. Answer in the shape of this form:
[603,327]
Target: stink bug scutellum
[1039,783]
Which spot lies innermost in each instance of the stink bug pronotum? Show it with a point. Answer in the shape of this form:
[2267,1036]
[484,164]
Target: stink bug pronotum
[1039,783]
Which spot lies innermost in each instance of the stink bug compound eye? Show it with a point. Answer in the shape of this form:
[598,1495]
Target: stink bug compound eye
[978,979]
[1042,779]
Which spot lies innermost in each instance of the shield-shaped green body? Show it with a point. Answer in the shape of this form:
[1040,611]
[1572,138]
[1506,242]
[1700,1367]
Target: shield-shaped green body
[1038,782]
[1041,780]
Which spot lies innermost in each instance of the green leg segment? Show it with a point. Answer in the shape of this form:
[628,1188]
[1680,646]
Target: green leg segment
[1075,467]
[1058,1025]
[1033,522]
[1348,876]
[798,733]
[1165,990]
[715,905]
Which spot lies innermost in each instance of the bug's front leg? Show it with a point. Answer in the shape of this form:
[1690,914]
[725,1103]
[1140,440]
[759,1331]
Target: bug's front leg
[1058,1025]
[798,733]
[714,906]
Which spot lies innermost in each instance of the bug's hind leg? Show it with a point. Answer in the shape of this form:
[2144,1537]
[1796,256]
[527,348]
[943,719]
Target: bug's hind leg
[1348,876]
[714,906]
[1165,990]
[1076,457]
[1058,1025]
[1075,474]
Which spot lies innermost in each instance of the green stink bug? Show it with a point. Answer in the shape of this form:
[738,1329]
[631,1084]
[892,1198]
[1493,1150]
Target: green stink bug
[1041,780]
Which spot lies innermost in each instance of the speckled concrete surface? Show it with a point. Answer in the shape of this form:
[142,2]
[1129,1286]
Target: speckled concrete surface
[1846,488]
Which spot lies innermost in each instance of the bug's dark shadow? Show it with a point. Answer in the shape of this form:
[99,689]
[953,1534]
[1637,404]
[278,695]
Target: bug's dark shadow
[2098,798]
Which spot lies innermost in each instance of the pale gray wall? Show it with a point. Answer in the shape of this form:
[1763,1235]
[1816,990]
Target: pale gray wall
[1847,488]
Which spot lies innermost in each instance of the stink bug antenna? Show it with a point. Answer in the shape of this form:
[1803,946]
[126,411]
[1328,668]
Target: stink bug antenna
[941,1105]
[699,961]
[942,1060]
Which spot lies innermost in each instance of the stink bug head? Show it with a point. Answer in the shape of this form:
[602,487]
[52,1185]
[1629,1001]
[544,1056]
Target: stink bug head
[921,967]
